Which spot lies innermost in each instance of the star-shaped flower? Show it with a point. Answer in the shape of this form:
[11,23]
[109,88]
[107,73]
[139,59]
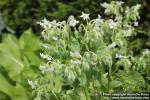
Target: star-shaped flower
[72,21]
[85,16]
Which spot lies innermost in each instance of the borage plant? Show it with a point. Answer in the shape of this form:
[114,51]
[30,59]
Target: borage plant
[85,60]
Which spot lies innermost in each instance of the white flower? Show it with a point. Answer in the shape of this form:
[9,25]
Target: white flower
[75,54]
[76,62]
[99,17]
[105,5]
[120,56]
[30,82]
[98,20]
[46,46]
[72,21]
[49,58]
[135,23]
[45,56]
[112,24]
[119,3]
[50,24]
[112,45]
[55,38]
[85,16]
[45,23]
[105,75]
[146,52]
[57,24]
[137,7]
[44,68]
[127,32]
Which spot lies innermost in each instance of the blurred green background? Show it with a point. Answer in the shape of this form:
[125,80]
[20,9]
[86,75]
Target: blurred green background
[20,15]
[19,53]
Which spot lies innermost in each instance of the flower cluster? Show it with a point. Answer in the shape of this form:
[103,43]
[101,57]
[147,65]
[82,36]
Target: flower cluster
[86,57]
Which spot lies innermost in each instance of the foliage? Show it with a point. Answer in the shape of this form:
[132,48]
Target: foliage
[18,62]
[2,25]
[22,14]
[84,60]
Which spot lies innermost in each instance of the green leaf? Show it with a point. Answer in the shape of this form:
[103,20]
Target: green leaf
[58,84]
[74,45]
[13,65]
[83,79]
[10,45]
[15,92]
[132,79]
[10,56]
[29,41]
[85,65]
[30,46]
[19,58]
[115,84]
[82,96]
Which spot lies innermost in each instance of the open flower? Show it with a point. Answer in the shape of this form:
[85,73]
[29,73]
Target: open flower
[98,20]
[30,82]
[45,23]
[45,56]
[76,62]
[112,24]
[85,16]
[137,7]
[105,75]
[136,24]
[112,45]
[46,46]
[119,3]
[120,56]
[146,52]
[54,38]
[105,5]
[75,54]
[72,21]
[45,68]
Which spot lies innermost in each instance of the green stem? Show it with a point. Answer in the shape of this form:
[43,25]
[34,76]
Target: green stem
[109,78]
[86,92]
